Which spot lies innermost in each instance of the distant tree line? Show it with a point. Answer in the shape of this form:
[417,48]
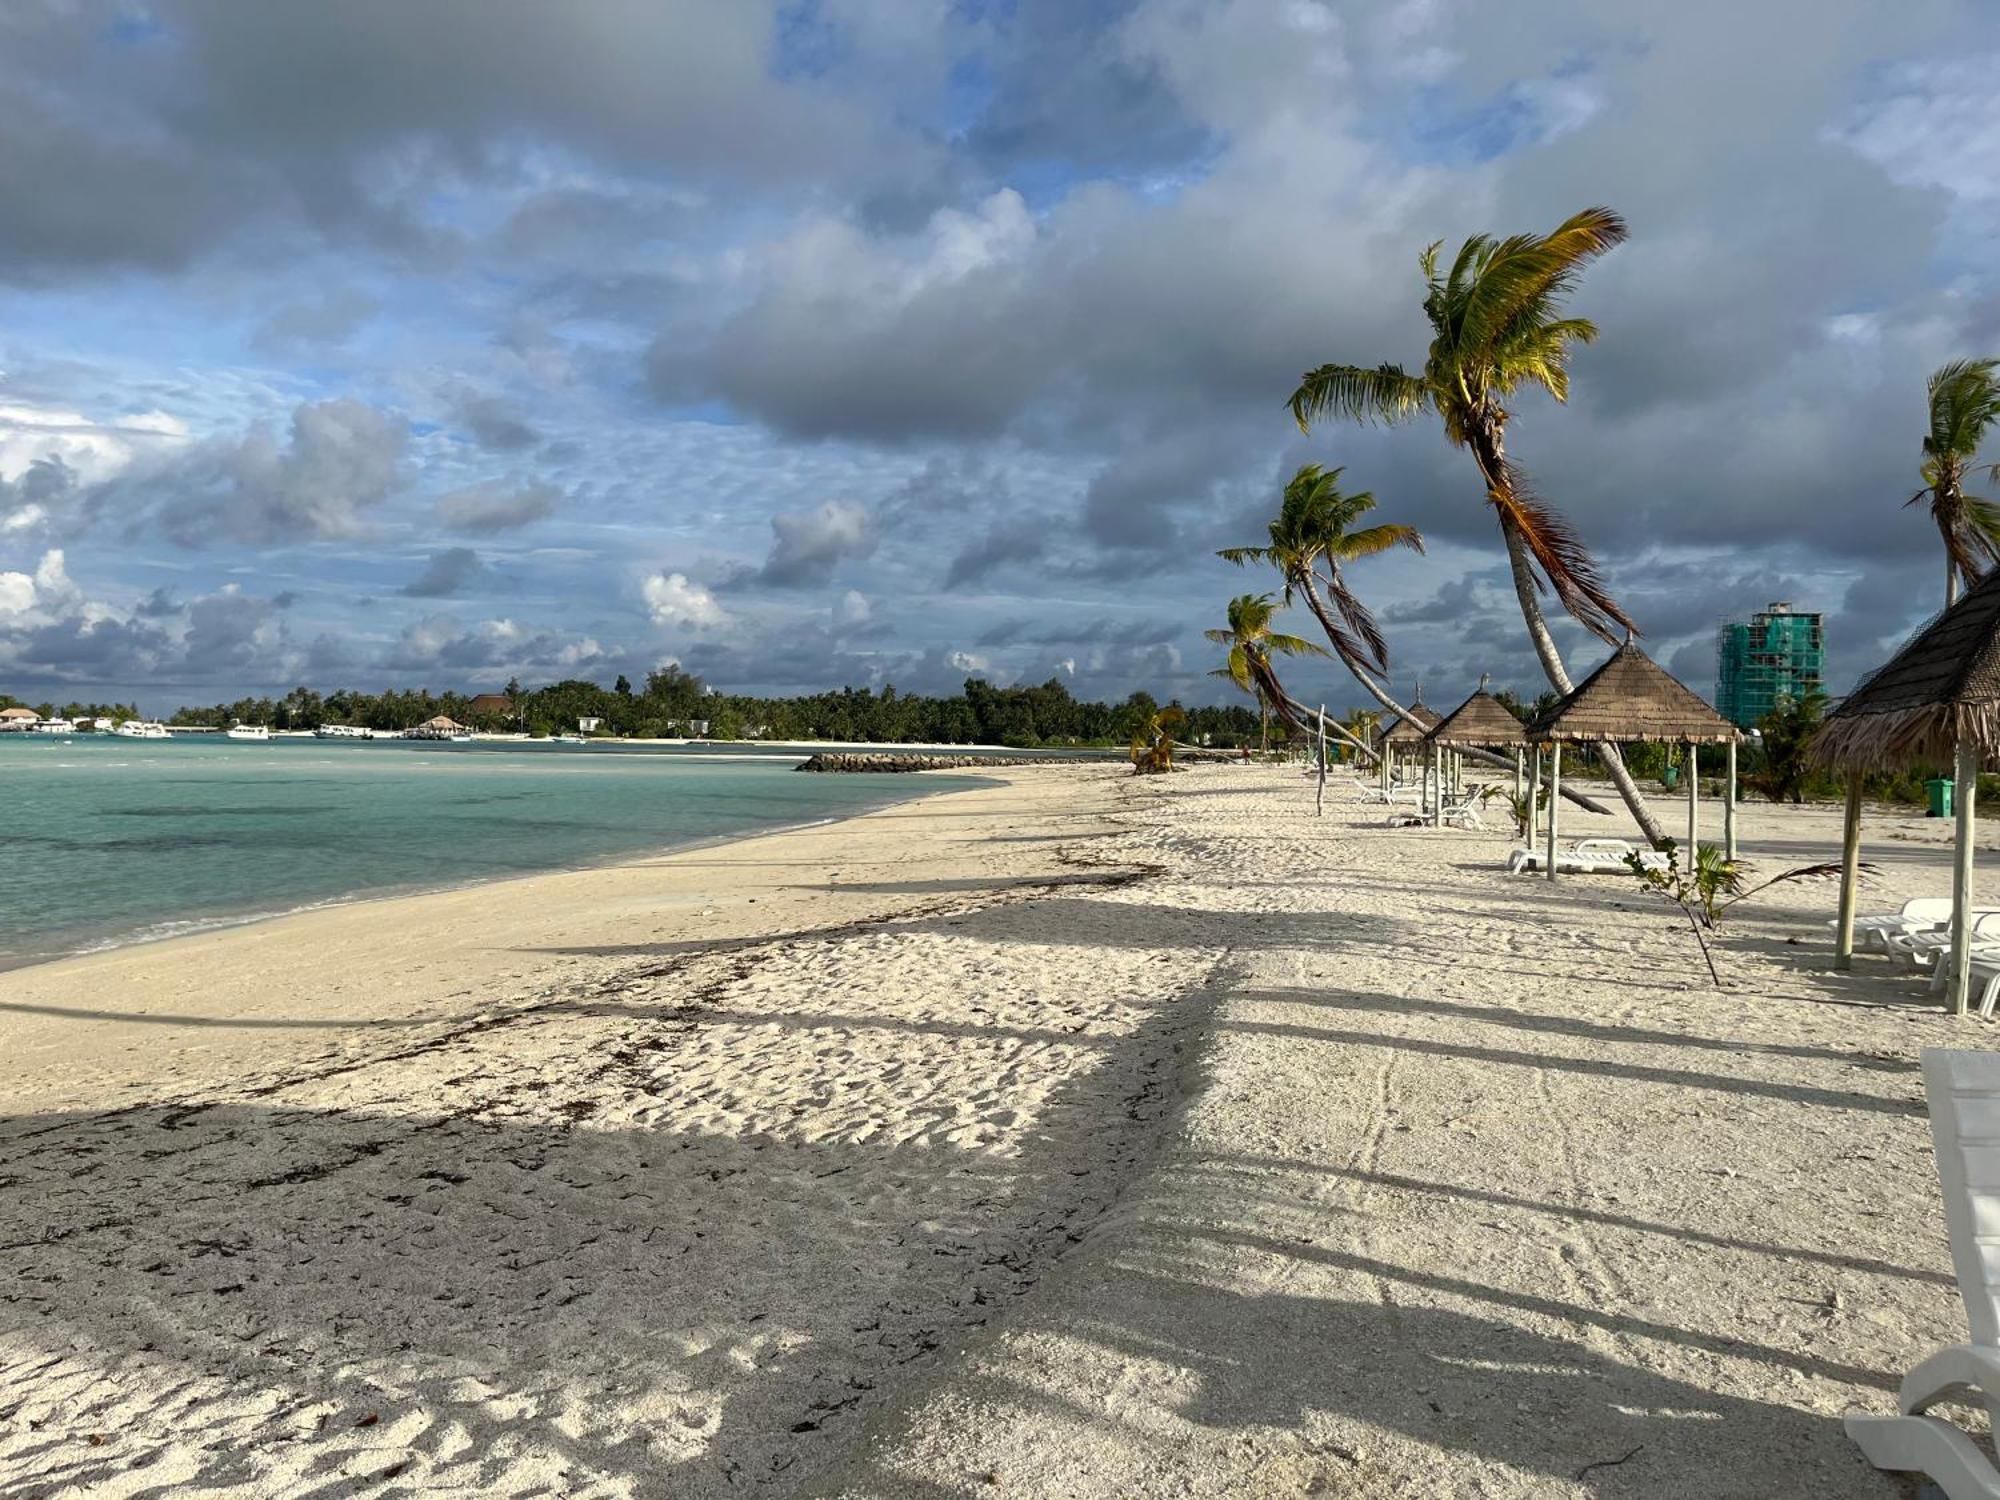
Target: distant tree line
[53,710]
[673,700]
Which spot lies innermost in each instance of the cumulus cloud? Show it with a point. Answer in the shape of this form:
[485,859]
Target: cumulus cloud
[448,572]
[495,506]
[338,460]
[492,421]
[53,632]
[807,547]
[497,648]
[852,610]
[675,599]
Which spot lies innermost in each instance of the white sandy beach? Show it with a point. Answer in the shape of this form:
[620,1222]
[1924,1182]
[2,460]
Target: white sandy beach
[1081,1136]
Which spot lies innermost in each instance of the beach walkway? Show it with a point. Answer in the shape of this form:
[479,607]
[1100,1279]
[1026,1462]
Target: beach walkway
[1089,1135]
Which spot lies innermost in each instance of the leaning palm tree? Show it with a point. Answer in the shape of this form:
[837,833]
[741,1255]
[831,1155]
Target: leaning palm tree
[1964,405]
[1315,531]
[1497,325]
[1251,640]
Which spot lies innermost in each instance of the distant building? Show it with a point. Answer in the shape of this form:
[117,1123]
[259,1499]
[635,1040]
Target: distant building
[588,725]
[491,705]
[18,718]
[1780,653]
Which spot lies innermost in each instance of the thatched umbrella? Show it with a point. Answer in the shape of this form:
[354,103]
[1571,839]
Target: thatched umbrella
[1405,731]
[1632,697]
[1934,703]
[1481,722]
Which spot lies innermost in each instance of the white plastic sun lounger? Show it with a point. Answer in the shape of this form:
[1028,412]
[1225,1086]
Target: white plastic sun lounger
[1872,933]
[1964,1092]
[1923,949]
[1586,857]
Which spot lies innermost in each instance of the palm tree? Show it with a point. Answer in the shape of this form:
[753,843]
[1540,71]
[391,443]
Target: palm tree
[1251,641]
[1312,532]
[1964,404]
[1497,325]
[1153,741]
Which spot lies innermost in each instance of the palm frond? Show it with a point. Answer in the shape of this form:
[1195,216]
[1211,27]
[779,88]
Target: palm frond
[1295,645]
[1387,393]
[1361,620]
[1566,565]
[1380,538]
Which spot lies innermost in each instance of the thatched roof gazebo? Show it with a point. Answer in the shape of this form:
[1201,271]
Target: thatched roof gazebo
[1404,732]
[1632,697]
[1481,722]
[1935,703]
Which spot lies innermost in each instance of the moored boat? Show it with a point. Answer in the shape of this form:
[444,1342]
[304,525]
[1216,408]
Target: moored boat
[249,732]
[141,729]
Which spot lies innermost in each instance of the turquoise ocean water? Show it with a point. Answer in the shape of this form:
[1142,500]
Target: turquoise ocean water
[108,840]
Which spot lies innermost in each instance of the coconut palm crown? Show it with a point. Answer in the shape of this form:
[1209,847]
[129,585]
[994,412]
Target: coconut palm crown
[1497,325]
[1315,527]
[1964,405]
[1251,641]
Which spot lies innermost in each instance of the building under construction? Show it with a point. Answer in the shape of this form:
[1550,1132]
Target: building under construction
[1780,654]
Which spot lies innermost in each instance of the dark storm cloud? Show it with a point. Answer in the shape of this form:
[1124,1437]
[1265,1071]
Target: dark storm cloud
[447,573]
[146,140]
[1020,539]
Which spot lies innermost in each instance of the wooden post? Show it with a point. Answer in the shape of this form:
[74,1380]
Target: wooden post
[1850,874]
[1694,805]
[1437,786]
[1517,775]
[1555,799]
[1729,806]
[1319,793]
[1966,774]
[1534,797]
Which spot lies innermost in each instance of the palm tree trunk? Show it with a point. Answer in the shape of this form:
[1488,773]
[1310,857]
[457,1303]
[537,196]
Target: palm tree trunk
[1380,694]
[1489,453]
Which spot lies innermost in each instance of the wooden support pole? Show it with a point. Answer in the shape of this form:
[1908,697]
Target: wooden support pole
[1555,799]
[1437,786]
[1694,805]
[1850,874]
[1729,806]
[1319,792]
[1534,797]
[1966,774]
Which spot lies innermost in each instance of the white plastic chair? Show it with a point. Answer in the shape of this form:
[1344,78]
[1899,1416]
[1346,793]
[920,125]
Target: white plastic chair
[1964,1092]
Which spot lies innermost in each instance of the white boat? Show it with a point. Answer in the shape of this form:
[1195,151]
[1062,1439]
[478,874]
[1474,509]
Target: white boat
[141,729]
[569,739]
[249,732]
[343,732]
[55,726]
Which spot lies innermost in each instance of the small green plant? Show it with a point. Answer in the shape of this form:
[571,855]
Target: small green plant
[1707,887]
[1519,806]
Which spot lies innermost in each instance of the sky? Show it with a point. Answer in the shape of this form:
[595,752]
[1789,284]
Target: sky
[896,341]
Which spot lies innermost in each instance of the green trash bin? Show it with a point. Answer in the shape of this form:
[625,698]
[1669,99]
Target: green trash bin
[1939,790]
